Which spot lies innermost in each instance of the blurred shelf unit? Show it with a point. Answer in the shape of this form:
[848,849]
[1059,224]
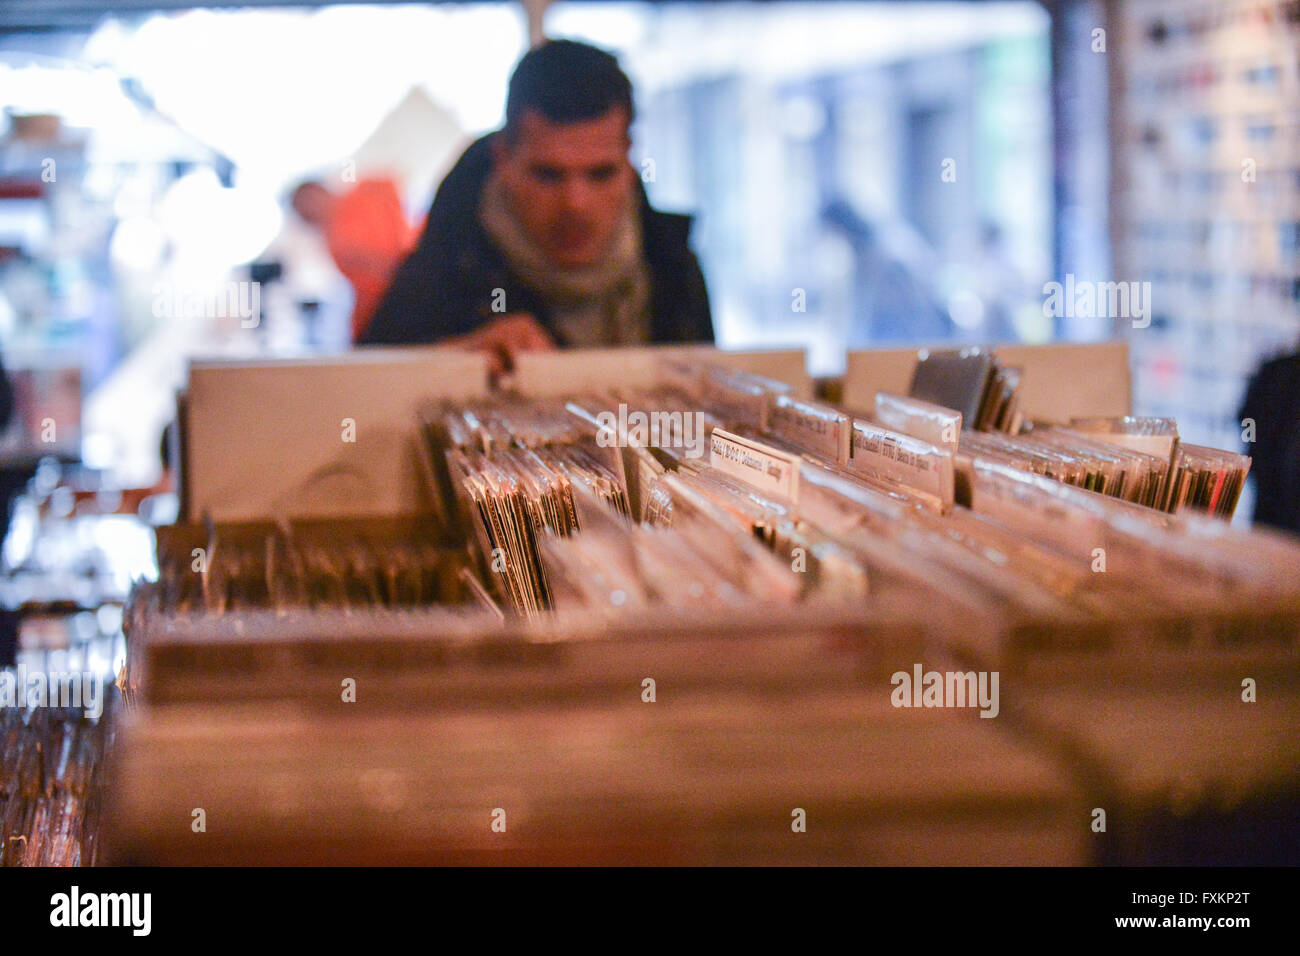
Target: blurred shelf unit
[1206,199]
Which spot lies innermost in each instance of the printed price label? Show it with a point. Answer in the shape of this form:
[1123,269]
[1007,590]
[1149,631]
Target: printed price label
[822,430]
[909,461]
[762,466]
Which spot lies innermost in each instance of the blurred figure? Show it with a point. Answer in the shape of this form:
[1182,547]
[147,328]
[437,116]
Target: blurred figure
[10,621]
[1000,285]
[542,234]
[367,234]
[892,296]
[1272,402]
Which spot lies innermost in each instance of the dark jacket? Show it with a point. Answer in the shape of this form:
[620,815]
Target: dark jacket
[1273,402]
[6,402]
[445,286]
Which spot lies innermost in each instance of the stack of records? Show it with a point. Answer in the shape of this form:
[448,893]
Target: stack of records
[1136,459]
[50,803]
[1077,459]
[970,381]
[677,614]
[1208,479]
[220,567]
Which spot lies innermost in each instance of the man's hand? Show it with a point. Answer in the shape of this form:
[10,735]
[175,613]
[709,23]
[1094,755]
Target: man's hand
[503,338]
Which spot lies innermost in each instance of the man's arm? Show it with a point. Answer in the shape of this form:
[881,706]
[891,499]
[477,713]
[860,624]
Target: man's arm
[409,311]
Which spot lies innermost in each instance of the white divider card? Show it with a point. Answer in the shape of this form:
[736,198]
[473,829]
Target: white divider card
[325,436]
[819,429]
[755,463]
[924,420]
[917,464]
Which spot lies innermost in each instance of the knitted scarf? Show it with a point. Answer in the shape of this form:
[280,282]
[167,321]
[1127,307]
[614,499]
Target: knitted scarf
[605,303]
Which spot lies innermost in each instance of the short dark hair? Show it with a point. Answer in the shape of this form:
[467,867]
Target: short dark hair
[567,82]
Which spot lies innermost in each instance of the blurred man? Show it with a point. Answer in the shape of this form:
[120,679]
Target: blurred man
[542,235]
[1272,406]
[367,235]
[11,485]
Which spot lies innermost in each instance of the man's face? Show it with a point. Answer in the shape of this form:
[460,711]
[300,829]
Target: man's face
[568,182]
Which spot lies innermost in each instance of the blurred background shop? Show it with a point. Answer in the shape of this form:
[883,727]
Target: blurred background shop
[863,174]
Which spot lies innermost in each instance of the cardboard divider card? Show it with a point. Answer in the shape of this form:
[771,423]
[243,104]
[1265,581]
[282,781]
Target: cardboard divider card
[755,463]
[316,437]
[908,461]
[818,428]
[572,371]
[751,395]
[936,424]
[1060,382]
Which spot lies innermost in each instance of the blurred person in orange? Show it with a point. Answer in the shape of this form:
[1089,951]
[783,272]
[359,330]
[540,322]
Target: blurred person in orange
[367,234]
